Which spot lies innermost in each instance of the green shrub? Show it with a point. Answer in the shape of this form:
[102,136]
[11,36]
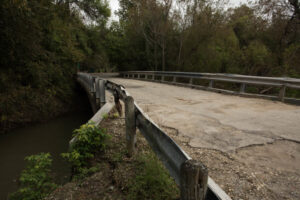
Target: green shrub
[35,180]
[152,181]
[89,140]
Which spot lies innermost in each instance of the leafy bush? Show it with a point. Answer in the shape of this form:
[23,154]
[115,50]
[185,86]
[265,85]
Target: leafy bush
[35,180]
[152,181]
[89,140]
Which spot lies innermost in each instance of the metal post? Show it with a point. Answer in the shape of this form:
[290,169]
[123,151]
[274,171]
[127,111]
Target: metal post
[97,87]
[91,83]
[102,92]
[282,93]
[162,78]
[130,125]
[193,180]
[138,76]
[191,81]
[153,77]
[174,79]
[117,102]
[211,84]
[242,88]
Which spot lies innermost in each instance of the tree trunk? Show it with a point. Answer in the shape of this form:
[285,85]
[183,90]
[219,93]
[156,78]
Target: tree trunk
[179,53]
[163,57]
[155,55]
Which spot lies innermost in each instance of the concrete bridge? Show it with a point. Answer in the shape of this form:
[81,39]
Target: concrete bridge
[231,124]
[213,120]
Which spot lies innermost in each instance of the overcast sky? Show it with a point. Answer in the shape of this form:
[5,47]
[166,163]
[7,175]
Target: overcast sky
[114,5]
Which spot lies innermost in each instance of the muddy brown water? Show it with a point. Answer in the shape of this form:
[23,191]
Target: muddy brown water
[52,136]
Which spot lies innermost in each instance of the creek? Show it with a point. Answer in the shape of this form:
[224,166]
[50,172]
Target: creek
[52,136]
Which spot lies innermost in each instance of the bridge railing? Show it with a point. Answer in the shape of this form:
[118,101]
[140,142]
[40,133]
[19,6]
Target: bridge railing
[190,175]
[242,80]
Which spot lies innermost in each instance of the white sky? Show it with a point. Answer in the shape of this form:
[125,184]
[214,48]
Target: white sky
[114,5]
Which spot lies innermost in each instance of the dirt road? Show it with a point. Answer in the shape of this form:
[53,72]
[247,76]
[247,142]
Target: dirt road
[255,137]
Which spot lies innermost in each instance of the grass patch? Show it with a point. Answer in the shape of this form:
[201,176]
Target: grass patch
[151,180]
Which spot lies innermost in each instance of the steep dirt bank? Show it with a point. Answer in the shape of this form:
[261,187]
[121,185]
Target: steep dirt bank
[26,106]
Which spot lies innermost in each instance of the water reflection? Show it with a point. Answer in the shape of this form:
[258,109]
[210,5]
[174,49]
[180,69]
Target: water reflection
[52,136]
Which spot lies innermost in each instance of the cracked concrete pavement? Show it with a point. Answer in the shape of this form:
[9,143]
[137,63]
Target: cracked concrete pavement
[216,121]
[251,146]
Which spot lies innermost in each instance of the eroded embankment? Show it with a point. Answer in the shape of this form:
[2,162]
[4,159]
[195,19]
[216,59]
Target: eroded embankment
[24,106]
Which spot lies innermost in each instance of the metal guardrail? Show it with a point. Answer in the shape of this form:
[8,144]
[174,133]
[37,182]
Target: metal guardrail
[190,175]
[243,80]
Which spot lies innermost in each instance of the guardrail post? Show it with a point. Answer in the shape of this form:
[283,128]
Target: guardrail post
[193,180]
[162,78]
[97,87]
[130,122]
[282,93]
[211,84]
[191,81]
[242,88]
[153,77]
[174,79]
[102,92]
[91,84]
[138,76]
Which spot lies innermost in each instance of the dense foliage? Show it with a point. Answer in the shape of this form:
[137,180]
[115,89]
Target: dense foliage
[88,140]
[262,38]
[42,45]
[36,180]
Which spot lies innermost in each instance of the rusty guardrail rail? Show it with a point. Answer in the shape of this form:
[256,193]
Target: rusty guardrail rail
[243,80]
[190,175]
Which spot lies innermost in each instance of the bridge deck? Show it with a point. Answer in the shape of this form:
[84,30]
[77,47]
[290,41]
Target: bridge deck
[250,145]
[216,121]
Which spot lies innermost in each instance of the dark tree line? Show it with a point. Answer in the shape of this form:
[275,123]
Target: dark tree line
[198,35]
[42,44]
